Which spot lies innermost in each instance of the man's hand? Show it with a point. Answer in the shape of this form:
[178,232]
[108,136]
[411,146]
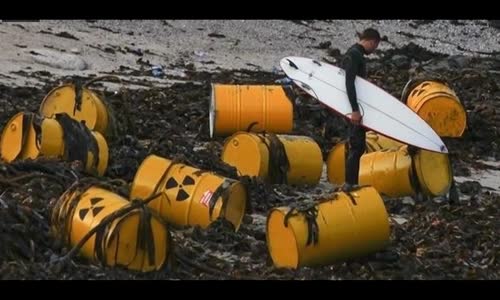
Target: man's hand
[356,118]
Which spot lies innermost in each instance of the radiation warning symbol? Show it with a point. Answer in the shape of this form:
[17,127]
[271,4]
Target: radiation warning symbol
[419,90]
[182,190]
[94,208]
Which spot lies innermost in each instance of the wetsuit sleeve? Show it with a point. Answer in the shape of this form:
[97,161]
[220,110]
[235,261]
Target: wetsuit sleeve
[351,66]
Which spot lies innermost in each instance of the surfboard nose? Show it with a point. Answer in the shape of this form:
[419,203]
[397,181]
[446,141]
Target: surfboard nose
[382,112]
[444,149]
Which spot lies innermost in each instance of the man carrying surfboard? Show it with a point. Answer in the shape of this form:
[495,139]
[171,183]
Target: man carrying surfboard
[354,65]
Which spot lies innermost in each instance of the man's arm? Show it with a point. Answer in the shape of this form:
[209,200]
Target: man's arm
[351,68]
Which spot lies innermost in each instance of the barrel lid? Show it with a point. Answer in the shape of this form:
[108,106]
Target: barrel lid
[235,208]
[281,242]
[11,143]
[433,172]
[444,113]
[242,150]
[63,99]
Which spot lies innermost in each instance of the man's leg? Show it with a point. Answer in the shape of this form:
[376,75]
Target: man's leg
[356,147]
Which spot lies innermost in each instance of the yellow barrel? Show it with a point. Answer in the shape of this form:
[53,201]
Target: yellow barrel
[346,228]
[440,107]
[234,108]
[127,241]
[336,158]
[253,154]
[18,140]
[188,193]
[63,100]
[49,143]
[433,172]
[389,171]
[53,145]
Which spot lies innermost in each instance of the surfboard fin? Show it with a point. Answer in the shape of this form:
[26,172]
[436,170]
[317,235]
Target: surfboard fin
[305,86]
[292,64]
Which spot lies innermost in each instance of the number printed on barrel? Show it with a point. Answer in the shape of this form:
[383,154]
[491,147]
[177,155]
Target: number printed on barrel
[205,198]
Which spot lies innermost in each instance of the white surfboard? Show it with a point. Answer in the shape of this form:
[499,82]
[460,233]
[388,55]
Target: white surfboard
[381,111]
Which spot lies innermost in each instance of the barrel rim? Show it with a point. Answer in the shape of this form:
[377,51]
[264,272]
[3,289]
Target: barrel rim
[102,118]
[5,132]
[139,172]
[103,150]
[252,136]
[452,100]
[234,186]
[211,112]
[91,125]
[281,210]
[422,179]
[42,104]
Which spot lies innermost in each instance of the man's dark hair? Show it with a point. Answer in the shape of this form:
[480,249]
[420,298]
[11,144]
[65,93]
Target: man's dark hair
[370,34]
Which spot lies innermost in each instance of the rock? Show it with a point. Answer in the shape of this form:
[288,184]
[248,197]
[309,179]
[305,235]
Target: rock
[413,51]
[485,111]
[387,256]
[75,50]
[437,66]
[470,187]
[400,61]
[457,23]
[247,219]
[461,170]
[334,53]
[459,61]
[67,35]
[374,66]
[216,35]
[439,199]
[423,22]
[495,23]
[58,60]
[408,201]
[399,220]
[453,194]
[495,63]
[324,45]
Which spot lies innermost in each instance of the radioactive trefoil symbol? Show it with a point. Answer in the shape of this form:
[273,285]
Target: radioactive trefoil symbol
[93,208]
[420,90]
[183,190]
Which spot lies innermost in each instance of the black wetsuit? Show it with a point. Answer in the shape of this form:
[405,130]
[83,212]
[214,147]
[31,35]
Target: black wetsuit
[354,65]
